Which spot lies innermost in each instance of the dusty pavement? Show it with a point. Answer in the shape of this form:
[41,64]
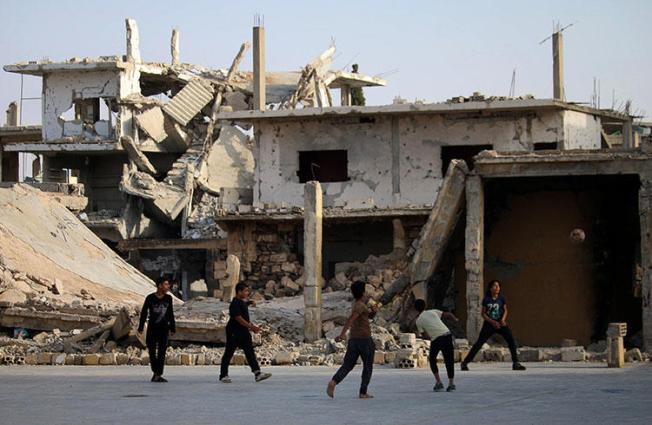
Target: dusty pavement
[545,393]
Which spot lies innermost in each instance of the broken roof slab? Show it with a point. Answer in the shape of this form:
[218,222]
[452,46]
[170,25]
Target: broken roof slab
[490,164]
[512,105]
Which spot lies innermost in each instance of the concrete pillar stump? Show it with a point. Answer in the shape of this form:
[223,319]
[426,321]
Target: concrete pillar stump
[312,240]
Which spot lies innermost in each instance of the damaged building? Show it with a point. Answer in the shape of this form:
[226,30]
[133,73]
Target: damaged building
[143,140]
[203,174]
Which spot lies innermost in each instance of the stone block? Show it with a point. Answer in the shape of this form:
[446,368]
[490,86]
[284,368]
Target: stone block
[379,357]
[186,359]
[200,359]
[144,359]
[121,359]
[408,338]
[284,357]
[71,359]
[633,355]
[91,359]
[59,359]
[172,359]
[573,354]
[281,257]
[530,355]
[238,360]
[494,355]
[107,359]
[289,267]
[390,356]
[30,359]
[44,358]
[550,354]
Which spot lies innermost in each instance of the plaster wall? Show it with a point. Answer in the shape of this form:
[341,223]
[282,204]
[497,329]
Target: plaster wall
[581,131]
[393,162]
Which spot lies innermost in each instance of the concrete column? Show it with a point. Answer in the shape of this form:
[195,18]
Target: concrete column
[13,115]
[615,344]
[474,255]
[628,134]
[232,278]
[345,95]
[259,68]
[400,244]
[312,248]
[133,41]
[558,66]
[174,46]
[645,212]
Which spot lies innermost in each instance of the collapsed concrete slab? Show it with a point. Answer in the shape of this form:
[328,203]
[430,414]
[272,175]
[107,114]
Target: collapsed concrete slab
[46,250]
[441,223]
[189,101]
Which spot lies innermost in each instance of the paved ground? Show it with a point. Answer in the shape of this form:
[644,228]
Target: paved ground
[488,394]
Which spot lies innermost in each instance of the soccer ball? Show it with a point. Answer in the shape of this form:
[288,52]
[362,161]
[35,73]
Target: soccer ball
[577,236]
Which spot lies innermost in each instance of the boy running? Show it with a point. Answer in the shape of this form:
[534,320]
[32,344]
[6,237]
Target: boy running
[360,343]
[238,336]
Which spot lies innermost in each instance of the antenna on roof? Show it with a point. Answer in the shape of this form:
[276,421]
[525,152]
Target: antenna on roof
[558,89]
[387,73]
[259,20]
[556,29]
[351,61]
[512,87]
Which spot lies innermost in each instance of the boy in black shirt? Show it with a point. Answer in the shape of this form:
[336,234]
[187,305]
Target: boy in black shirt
[158,306]
[238,336]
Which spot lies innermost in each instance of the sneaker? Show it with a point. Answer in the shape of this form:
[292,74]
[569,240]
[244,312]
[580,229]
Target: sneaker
[438,387]
[261,376]
[518,366]
[450,388]
[161,379]
[225,380]
[464,366]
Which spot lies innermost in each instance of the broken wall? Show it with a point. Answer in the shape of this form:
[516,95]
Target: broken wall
[61,89]
[581,131]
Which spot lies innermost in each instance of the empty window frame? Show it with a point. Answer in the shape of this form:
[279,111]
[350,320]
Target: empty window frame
[323,166]
[465,152]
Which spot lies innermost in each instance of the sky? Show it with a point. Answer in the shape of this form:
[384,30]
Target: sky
[427,50]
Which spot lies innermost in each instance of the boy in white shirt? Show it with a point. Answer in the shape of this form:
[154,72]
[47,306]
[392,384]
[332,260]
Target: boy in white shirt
[441,339]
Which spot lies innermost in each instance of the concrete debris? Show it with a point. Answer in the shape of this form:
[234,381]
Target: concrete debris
[136,156]
[167,201]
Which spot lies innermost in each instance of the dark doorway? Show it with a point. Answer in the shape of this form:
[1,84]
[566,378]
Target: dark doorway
[558,286]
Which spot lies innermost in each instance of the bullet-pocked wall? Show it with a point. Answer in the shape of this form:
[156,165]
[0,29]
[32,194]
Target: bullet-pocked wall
[558,286]
[394,161]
